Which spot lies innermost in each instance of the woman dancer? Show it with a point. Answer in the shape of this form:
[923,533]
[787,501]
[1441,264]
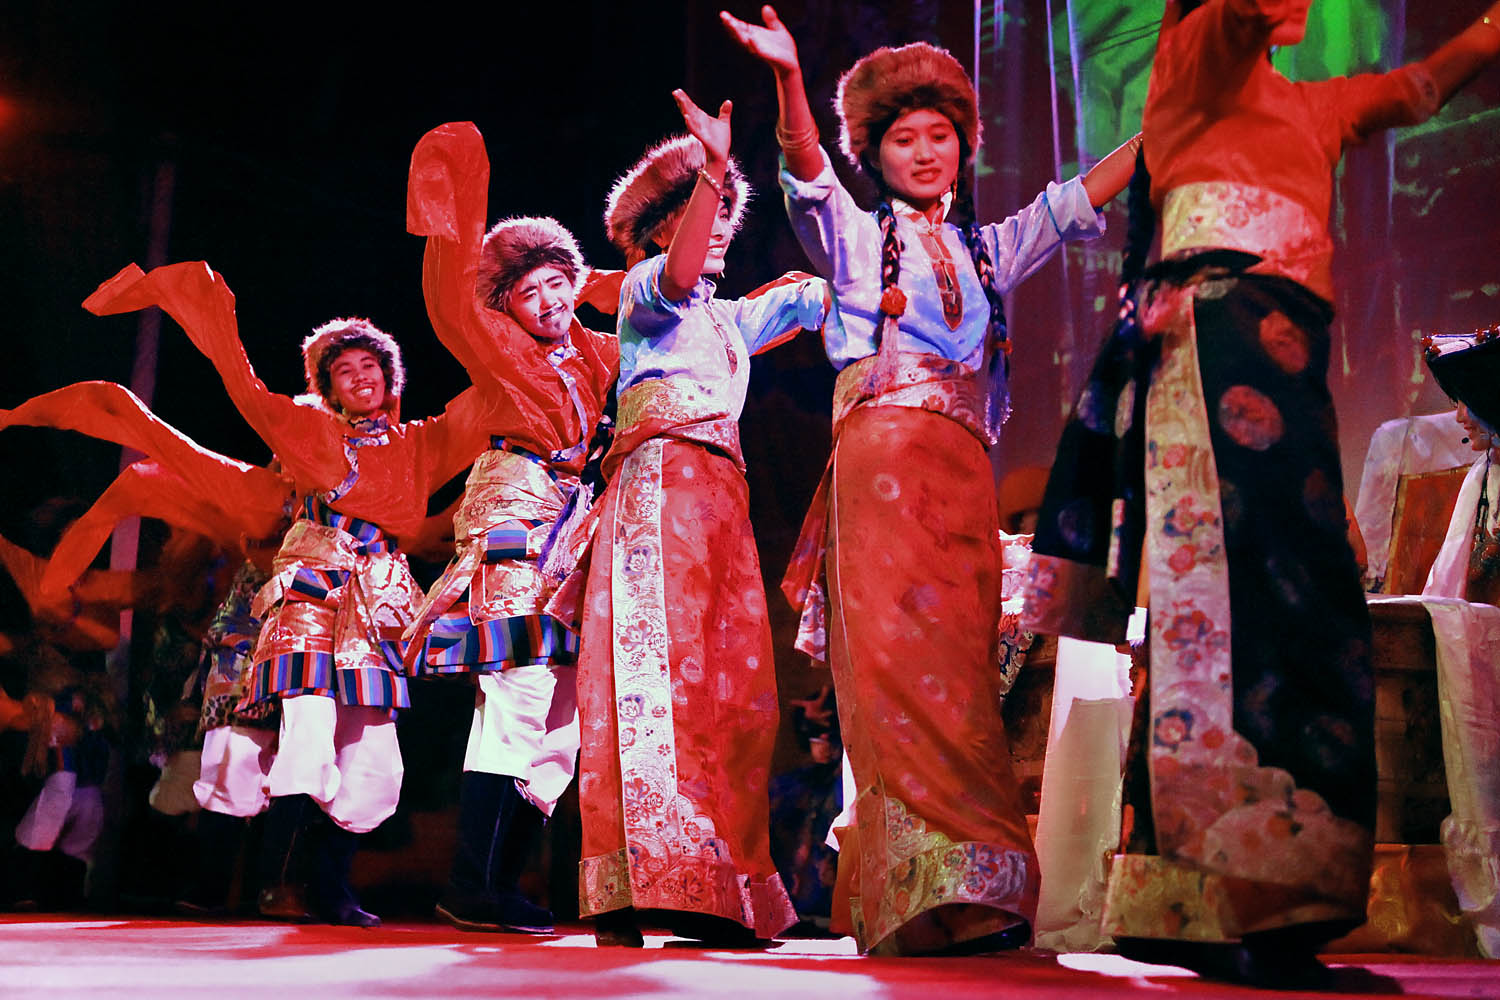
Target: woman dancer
[340,594]
[1252,778]
[902,533]
[676,681]
[502,302]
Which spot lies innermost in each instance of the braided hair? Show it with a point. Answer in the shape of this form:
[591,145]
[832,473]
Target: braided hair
[998,334]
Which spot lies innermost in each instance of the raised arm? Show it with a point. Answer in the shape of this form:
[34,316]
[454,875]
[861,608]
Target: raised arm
[1462,57]
[202,304]
[689,247]
[1110,175]
[447,194]
[796,130]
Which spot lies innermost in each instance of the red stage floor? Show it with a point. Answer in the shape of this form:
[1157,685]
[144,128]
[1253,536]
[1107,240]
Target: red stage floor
[59,957]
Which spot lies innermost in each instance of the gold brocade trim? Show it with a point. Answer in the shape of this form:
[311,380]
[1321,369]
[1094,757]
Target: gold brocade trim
[1223,215]
[603,883]
[919,869]
[504,486]
[378,602]
[1154,897]
[1214,805]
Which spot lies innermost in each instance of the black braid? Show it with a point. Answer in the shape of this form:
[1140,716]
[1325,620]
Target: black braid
[890,249]
[1141,229]
[963,209]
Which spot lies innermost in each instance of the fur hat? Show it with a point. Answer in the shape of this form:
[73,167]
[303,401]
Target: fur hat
[888,82]
[333,338]
[657,187]
[516,247]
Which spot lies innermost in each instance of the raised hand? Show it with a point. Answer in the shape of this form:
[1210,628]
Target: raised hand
[713,132]
[772,43]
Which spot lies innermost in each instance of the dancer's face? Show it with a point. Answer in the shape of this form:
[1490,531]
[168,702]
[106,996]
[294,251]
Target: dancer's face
[1480,439]
[718,242]
[719,238]
[919,157]
[1292,26]
[358,382]
[542,302]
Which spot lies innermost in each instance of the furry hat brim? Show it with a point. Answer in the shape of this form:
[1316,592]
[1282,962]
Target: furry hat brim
[888,82]
[514,248]
[658,187]
[335,337]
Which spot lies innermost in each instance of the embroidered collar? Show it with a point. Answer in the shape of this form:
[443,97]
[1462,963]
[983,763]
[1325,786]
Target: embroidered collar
[915,215]
[368,427]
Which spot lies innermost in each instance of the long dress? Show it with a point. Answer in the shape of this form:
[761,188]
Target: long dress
[1251,777]
[677,683]
[485,615]
[902,539]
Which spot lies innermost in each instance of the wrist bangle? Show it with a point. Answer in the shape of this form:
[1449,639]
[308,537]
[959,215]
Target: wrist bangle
[707,178]
[797,141]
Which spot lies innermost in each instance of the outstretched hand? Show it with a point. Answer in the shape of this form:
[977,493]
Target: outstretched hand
[712,132]
[772,43]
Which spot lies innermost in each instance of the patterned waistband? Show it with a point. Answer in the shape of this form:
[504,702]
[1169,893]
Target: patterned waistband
[498,443]
[1223,215]
[369,538]
[918,381]
[658,408]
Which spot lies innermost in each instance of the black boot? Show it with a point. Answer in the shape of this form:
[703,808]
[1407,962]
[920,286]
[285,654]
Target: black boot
[281,895]
[496,828]
[219,836]
[332,898]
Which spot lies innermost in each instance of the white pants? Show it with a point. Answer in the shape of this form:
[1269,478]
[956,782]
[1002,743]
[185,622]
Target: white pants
[345,757]
[63,816]
[526,726]
[232,777]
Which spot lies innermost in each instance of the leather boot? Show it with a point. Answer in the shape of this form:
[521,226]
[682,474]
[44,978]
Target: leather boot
[332,898]
[282,849]
[496,827]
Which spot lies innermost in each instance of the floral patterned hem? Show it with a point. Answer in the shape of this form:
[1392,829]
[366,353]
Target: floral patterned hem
[942,873]
[692,885]
[1154,897]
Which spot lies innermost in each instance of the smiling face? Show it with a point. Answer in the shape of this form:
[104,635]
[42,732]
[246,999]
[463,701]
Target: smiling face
[719,237]
[542,302]
[919,157]
[718,241]
[358,382]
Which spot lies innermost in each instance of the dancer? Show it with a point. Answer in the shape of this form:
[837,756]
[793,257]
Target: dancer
[902,535]
[676,681]
[1252,774]
[340,594]
[502,302]
[1468,567]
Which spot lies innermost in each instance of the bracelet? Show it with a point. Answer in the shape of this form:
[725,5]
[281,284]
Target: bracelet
[718,188]
[796,141]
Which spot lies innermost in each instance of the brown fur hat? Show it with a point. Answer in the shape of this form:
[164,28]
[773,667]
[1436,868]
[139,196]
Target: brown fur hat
[658,187]
[514,248]
[888,82]
[333,338]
